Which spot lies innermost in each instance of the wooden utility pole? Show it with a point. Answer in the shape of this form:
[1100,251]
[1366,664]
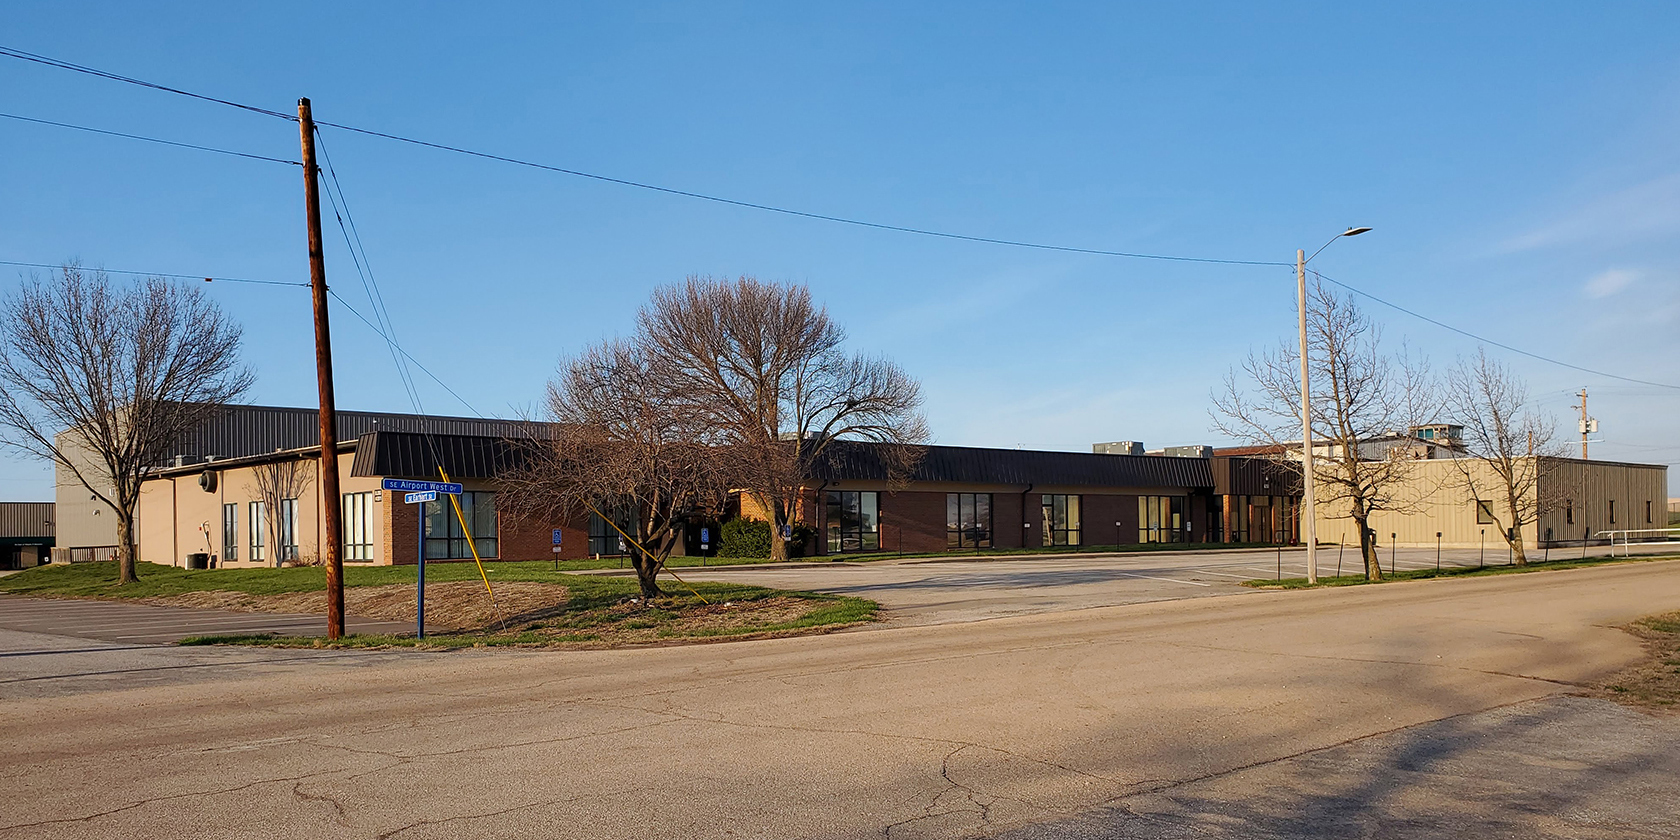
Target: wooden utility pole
[1308,525]
[330,500]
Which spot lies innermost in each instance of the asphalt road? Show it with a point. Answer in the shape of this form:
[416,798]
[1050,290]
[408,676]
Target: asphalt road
[138,624]
[1424,709]
[945,590]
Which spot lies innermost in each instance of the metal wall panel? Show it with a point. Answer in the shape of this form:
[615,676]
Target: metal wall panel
[26,519]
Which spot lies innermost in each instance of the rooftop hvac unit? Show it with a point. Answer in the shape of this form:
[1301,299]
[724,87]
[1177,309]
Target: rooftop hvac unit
[1120,447]
[1188,452]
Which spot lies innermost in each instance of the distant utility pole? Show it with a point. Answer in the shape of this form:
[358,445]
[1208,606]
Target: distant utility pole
[1309,509]
[330,502]
[1588,425]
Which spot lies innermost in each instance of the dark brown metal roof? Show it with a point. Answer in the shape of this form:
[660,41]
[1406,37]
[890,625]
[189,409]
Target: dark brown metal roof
[412,455]
[238,431]
[860,461]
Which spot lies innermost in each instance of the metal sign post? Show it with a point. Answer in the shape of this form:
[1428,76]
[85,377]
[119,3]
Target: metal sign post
[419,493]
[559,537]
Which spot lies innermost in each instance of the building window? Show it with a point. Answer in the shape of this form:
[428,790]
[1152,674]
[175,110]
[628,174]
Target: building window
[358,526]
[604,539]
[230,533]
[1162,519]
[1484,514]
[1612,511]
[444,538]
[1061,519]
[1647,512]
[258,525]
[854,522]
[968,520]
[288,530]
[1569,511]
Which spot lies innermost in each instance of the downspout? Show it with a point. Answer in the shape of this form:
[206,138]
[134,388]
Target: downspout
[823,506]
[1025,523]
[174,523]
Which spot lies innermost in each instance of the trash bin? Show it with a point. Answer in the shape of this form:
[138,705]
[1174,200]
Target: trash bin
[199,560]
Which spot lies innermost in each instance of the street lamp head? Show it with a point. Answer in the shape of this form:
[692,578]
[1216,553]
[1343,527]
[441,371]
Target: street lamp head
[1355,231]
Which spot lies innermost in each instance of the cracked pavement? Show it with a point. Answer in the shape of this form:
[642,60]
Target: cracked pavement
[1355,711]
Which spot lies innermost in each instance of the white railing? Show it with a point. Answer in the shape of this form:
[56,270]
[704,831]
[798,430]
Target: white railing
[1627,535]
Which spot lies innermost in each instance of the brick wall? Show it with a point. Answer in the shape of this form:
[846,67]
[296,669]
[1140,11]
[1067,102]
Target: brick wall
[913,523]
[524,538]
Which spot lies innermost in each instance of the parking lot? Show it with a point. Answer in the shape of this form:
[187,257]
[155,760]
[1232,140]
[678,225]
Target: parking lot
[954,589]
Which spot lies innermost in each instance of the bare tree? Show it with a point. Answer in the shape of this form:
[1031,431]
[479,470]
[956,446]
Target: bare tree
[763,365]
[1360,393]
[1510,446]
[277,482]
[621,444]
[103,379]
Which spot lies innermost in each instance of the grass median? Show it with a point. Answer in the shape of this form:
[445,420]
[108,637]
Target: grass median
[534,604]
[1453,572]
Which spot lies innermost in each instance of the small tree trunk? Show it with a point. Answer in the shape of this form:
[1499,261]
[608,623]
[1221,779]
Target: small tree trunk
[126,566]
[1368,548]
[647,573]
[1513,536]
[778,516]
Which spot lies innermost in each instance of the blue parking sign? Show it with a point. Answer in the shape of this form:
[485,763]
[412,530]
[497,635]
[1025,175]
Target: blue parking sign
[557,535]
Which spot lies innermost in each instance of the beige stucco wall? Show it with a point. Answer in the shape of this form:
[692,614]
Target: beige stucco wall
[1437,500]
[177,517]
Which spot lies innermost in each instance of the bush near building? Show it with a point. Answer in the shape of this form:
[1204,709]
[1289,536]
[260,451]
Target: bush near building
[745,538]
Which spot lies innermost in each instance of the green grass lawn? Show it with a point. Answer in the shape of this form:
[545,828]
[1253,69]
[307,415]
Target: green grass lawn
[1452,572]
[598,608]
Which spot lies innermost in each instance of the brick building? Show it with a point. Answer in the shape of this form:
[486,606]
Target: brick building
[209,497]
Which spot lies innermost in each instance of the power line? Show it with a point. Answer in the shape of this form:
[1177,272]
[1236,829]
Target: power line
[161,274]
[751,205]
[406,355]
[364,270]
[150,139]
[79,68]
[1014,243]
[1468,334]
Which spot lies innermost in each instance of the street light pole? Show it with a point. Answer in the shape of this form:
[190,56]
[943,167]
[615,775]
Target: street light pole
[1309,505]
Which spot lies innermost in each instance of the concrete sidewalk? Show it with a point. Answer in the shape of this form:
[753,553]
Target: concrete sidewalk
[133,623]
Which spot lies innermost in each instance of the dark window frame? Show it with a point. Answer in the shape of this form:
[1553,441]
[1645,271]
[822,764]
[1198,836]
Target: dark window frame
[357,527]
[1065,508]
[1484,513]
[452,545]
[965,524]
[230,532]
[604,540]
[258,526]
[848,530]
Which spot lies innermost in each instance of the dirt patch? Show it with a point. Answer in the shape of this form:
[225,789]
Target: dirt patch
[454,605]
[638,623]
[1653,684]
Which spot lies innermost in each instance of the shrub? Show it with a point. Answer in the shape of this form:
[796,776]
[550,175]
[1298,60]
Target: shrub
[744,538]
[804,541]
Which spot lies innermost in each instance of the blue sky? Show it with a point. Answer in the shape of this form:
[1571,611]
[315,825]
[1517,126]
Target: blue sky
[1517,161]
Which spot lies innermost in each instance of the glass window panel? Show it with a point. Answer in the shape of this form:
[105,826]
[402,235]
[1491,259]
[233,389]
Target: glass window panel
[983,520]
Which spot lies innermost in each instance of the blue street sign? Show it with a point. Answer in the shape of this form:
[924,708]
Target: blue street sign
[413,498]
[406,485]
[705,535]
[557,535]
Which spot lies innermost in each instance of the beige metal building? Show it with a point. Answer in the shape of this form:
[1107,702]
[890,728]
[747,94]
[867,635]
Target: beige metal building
[1578,500]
